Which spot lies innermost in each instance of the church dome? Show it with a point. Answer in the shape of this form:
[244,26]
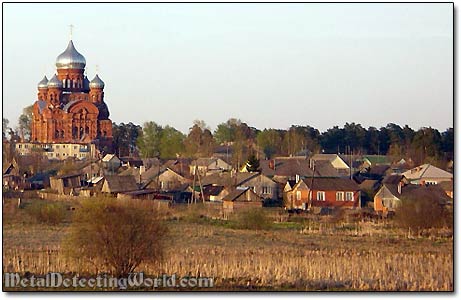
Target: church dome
[97,83]
[54,82]
[70,58]
[43,84]
[86,83]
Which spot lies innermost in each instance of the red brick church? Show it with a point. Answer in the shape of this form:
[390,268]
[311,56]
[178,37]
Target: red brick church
[70,108]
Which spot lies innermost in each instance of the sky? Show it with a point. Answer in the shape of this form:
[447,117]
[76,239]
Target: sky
[270,65]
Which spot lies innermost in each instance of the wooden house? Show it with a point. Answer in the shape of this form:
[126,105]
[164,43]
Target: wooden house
[241,198]
[114,184]
[427,174]
[66,184]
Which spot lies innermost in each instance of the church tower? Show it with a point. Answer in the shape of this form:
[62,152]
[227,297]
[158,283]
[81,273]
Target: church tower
[70,108]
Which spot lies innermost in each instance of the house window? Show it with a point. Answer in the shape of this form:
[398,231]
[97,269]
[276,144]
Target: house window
[320,196]
[267,190]
[339,196]
[349,196]
[57,146]
[298,195]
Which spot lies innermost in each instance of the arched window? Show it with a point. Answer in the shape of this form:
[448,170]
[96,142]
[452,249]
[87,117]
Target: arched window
[81,132]
[104,133]
[87,130]
[62,134]
[56,134]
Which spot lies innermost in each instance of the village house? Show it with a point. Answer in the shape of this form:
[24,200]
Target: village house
[114,184]
[427,174]
[12,179]
[390,196]
[206,166]
[68,184]
[282,169]
[338,162]
[167,180]
[111,163]
[262,185]
[323,192]
[241,198]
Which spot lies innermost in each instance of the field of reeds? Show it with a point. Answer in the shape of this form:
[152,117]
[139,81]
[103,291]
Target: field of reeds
[298,254]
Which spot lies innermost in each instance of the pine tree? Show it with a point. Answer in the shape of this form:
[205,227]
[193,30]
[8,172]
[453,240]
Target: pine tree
[252,164]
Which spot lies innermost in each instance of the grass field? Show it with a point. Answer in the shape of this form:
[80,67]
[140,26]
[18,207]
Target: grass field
[297,254]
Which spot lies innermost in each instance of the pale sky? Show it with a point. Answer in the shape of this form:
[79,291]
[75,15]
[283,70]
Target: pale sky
[271,65]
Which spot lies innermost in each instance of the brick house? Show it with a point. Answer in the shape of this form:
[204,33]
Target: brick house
[323,192]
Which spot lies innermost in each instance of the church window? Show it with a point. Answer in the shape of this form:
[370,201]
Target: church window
[56,134]
[62,133]
[81,131]
[87,130]
[74,132]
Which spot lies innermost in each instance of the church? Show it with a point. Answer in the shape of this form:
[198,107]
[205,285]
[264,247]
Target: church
[70,109]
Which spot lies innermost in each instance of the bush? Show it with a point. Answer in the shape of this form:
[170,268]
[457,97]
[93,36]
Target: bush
[253,218]
[115,236]
[422,213]
[48,213]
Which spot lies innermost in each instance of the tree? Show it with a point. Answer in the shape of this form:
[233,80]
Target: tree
[293,141]
[223,134]
[252,164]
[269,141]
[115,236]
[125,137]
[149,141]
[5,128]
[25,123]
[427,143]
[199,142]
[171,142]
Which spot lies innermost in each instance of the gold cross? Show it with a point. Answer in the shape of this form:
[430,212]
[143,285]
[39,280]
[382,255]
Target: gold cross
[97,69]
[71,28]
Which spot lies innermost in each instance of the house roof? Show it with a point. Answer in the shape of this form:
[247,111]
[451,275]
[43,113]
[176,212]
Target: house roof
[109,157]
[377,159]
[378,170]
[414,192]
[132,161]
[213,190]
[392,179]
[288,166]
[117,183]
[427,171]
[228,179]
[67,176]
[332,184]
[369,184]
[205,161]
[235,193]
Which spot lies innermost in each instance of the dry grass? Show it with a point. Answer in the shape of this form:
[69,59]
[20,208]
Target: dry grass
[358,256]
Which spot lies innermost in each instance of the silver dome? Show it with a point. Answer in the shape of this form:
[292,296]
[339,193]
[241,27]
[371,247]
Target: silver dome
[54,82]
[43,84]
[70,58]
[96,83]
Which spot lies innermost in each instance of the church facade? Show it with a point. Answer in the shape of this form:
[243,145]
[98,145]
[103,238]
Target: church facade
[70,108]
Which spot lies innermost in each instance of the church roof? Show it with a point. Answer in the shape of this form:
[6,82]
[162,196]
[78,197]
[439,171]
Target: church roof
[97,83]
[43,84]
[55,82]
[70,58]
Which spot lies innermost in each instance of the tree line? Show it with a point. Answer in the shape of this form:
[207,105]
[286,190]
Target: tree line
[240,140]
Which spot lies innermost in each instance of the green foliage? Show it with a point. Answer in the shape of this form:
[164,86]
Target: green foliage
[149,141]
[269,141]
[252,219]
[171,143]
[199,142]
[48,213]
[115,236]
[125,137]
[25,122]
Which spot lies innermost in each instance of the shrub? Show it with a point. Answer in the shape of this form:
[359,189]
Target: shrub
[422,213]
[252,218]
[115,236]
[48,213]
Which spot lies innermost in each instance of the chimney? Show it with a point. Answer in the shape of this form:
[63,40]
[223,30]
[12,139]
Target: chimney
[399,188]
[297,178]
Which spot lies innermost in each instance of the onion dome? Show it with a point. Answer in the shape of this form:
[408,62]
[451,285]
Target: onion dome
[70,59]
[43,84]
[96,83]
[54,82]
